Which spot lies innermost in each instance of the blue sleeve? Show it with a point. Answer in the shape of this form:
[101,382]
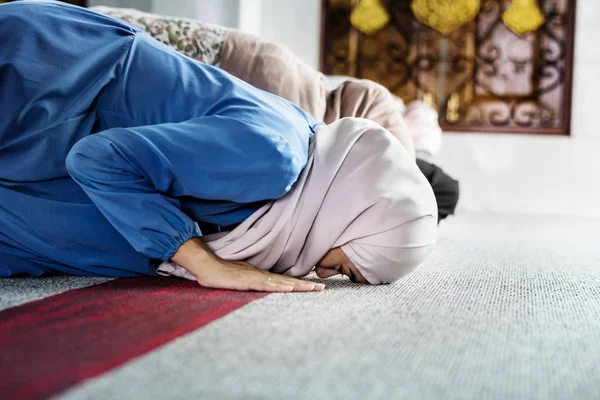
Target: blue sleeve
[134,175]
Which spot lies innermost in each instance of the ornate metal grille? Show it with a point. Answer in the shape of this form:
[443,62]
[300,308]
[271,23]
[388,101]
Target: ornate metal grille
[481,77]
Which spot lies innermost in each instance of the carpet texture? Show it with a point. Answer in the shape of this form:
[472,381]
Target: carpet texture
[14,292]
[81,333]
[506,308]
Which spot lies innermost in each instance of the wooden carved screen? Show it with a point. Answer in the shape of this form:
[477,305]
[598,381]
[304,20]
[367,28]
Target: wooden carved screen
[481,77]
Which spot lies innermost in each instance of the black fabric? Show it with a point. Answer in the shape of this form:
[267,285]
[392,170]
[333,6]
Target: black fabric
[208,228]
[445,188]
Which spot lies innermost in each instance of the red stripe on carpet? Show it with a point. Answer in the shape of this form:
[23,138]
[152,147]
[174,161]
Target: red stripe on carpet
[49,345]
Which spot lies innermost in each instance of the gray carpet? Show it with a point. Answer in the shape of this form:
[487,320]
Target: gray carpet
[16,291]
[506,308]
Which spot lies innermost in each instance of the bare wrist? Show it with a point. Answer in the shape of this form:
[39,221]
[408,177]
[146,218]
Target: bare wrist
[193,254]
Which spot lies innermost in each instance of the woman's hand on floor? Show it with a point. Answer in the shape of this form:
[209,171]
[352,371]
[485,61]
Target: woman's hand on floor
[238,275]
[214,272]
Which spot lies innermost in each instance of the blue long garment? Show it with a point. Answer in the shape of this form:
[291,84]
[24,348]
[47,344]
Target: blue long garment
[113,146]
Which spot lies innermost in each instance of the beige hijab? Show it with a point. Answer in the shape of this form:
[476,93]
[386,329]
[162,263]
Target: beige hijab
[360,190]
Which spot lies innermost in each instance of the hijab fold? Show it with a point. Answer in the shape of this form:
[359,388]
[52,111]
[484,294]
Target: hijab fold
[360,190]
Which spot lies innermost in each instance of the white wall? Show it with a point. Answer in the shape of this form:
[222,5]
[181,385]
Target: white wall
[295,24]
[221,12]
[144,5]
[250,16]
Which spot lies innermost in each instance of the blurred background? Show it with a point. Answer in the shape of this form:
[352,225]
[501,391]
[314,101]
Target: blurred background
[515,83]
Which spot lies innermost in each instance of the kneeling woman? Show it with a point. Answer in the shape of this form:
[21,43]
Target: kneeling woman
[120,157]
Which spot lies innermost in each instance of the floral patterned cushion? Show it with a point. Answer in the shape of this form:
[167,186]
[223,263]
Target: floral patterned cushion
[200,41]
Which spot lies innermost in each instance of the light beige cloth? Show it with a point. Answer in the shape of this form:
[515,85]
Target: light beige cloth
[422,121]
[360,190]
[275,69]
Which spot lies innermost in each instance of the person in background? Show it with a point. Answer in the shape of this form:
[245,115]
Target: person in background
[422,122]
[277,70]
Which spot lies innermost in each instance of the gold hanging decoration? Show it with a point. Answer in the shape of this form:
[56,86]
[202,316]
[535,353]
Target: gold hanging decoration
[452,108]
[369,17]
[428,99]
[445,16]
[523,17]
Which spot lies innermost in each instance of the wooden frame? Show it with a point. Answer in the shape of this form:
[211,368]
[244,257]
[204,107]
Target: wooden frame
[564,127]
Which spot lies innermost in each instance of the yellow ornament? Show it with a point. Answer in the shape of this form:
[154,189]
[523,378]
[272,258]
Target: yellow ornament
[523,17]
[369,17]
[445,16]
